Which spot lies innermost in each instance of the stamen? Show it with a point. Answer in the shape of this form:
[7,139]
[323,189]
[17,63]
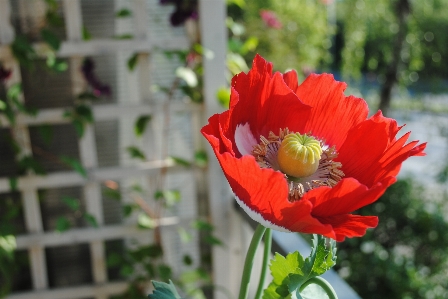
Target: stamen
[328,172]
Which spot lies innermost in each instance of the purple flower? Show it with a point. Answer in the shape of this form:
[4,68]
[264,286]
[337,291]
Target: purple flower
[184,9]
[99,89]
[4,73]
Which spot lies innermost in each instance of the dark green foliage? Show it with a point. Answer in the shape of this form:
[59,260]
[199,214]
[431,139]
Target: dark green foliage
[405,256]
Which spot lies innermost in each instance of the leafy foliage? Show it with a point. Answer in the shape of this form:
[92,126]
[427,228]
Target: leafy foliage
[291,272]
[405,256]
[164,291]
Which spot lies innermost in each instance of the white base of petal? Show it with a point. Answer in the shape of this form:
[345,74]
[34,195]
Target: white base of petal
[244,139]
[258,218]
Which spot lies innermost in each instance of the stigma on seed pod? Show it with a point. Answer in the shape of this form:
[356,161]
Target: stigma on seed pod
[299,155]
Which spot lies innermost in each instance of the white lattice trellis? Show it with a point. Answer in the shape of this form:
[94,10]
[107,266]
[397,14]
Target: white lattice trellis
[134,99]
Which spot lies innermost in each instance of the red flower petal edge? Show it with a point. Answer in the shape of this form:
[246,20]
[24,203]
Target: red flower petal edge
[370,153]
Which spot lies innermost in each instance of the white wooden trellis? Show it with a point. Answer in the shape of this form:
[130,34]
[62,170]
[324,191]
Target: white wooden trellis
[74,48]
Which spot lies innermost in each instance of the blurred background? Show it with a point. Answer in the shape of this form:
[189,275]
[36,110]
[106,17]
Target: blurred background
[104,178]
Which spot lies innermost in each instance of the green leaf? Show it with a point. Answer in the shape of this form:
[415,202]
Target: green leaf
[62,224]
[114,259]
[90,219]
[50,38]
[223,96]
[140,124]
[87,96]
[170,197]
[188,75]
[165,272]
[202,225]
[14,91]
[3,105]
[181,161]
[127,210]
[7,246]
[291,272]
[46,133]
[124,36]
[86,35]
[187,260]
[185,236]
[71,202]
[79,127]
[13,181]
[240,3]
[132,61]
[75,164]
[212,240]
[249,45]
[114,194]
[29,163]
[200,158]
[85,112]
[123,13]
[164,291]
[126,270]
[23,51]
[135,152]
[144,221]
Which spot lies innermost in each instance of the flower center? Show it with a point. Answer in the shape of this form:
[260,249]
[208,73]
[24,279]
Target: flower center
[299,155]
[306,162]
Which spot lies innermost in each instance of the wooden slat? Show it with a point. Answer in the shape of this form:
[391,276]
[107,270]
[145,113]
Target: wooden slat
[71,178]
[6,30]
[214,38]
[84,235]
[100,113]
[79,292]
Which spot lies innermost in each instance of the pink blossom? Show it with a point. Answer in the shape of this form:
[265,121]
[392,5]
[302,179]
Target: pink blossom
[270,19]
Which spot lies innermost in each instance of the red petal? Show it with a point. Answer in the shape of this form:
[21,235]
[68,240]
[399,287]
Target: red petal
[371,153]
[265,102]
[333,114]
[347,196]
[350,225]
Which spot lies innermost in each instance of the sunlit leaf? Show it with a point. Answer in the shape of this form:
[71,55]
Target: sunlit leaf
[223,96]
[3,105]
[144,221]
[188,75]
[185,236]
[170,197]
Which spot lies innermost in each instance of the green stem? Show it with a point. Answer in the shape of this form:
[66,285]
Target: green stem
[258,235]
[266,256]
[323,284]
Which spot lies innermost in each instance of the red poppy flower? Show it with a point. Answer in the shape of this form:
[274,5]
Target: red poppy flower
[356,159]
